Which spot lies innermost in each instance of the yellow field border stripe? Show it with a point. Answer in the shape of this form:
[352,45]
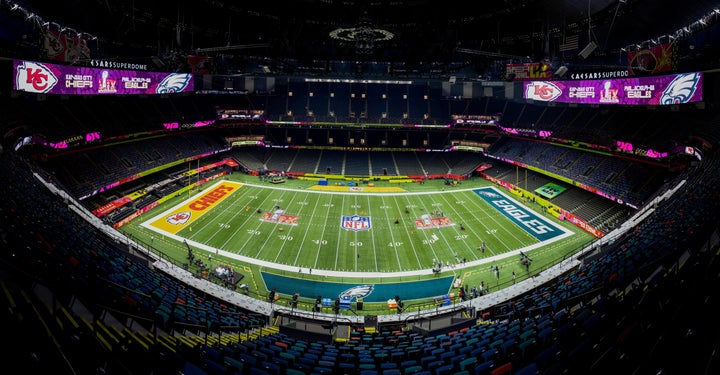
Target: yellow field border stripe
[359,189]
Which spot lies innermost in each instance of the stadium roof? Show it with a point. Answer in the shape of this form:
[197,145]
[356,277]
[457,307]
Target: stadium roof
[413,32]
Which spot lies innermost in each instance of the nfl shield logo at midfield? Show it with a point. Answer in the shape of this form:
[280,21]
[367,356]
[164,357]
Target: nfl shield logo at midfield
[355,222]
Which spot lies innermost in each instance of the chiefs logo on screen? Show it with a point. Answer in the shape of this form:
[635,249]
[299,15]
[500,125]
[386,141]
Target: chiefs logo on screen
[34,77]
[542,90]
[179,218]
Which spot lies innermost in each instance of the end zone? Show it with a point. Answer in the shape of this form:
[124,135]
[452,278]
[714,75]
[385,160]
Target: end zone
[535,225]
[185,213]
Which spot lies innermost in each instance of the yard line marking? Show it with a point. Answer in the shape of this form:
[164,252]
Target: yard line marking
[467,250]
[216,218]
[339,231]
[442,235]
[231,239]
[482,212]
[290,231]
[329,218]
[408,234]
[274,202]
[428,241]
[248,221]
[231,206]
[307,222]
[392,236]
[493,217]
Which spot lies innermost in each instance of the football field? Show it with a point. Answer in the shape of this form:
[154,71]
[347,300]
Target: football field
[357,231]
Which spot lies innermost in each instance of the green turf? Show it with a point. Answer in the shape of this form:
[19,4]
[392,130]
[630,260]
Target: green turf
[319,241]
[388,250]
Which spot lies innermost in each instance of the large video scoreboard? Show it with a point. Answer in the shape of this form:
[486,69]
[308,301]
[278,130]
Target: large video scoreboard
[654,90]
[44,78]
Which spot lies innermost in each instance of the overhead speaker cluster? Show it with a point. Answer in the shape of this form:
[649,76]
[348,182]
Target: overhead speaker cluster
[588,50]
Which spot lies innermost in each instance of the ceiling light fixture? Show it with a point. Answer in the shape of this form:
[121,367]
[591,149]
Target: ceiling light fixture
[364,35]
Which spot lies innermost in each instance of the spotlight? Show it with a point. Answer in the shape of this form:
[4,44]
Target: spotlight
[589,49]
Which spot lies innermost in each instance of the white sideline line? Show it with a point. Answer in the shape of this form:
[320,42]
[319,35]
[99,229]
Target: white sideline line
[323,272]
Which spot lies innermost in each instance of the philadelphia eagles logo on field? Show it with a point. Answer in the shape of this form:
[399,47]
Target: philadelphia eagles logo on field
[359,291]
[488,194]
[179,218]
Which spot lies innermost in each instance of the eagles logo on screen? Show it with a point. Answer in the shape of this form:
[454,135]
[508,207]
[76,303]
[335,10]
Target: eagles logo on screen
[174,82]
[360,291]
[681,89]
[179,218]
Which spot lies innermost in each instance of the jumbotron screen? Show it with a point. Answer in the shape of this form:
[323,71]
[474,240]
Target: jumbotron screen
[44,78]
[655,90]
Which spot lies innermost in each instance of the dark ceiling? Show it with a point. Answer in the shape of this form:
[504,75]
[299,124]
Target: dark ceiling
[423,30]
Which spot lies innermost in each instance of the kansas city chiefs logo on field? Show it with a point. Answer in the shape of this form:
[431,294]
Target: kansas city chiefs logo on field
[179,218]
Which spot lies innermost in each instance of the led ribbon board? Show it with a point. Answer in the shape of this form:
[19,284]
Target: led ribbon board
[43,78]
[655,90]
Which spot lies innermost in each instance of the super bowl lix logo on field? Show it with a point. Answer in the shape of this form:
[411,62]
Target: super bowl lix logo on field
[355,222]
